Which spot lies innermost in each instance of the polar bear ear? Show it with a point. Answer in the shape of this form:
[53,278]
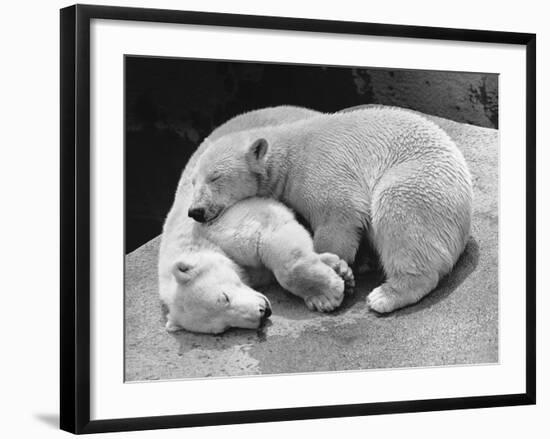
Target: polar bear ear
[183,271]
[255,155]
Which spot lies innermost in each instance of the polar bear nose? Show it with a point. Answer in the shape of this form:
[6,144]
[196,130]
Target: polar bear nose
[265,311]
[197,214]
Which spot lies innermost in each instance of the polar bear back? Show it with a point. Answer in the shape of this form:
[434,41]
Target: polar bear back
[375,138]
[333,162]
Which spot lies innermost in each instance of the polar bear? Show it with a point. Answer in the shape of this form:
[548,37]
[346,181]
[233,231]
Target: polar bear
[207,271]
[382,175]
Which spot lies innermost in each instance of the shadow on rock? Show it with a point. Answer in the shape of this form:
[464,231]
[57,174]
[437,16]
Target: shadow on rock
[188,341]
[287,304]
[465,266]
[364,284]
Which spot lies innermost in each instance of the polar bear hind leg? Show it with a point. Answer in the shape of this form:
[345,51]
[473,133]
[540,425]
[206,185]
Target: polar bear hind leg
[400,291]
[419,231]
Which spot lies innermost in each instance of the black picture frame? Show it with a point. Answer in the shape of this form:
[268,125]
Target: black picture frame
[75,217]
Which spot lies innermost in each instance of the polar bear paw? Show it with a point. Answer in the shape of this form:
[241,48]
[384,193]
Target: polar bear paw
[329,297]
[384,299]
[342,269]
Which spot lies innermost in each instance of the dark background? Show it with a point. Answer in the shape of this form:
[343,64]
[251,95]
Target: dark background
[173,103]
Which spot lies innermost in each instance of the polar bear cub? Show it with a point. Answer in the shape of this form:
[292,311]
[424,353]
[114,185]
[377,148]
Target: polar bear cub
[261,233]
[381,174]
[249,244]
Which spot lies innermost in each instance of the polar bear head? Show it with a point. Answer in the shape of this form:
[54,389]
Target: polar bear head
[207,295]
[230,170]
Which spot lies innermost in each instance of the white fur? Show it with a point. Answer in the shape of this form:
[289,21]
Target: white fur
[383,174]
[201,266]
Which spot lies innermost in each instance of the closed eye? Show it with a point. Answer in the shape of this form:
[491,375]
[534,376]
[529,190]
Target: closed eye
[224,299]
[214,178]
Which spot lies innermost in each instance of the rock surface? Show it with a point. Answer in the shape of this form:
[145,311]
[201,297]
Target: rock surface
[456,324]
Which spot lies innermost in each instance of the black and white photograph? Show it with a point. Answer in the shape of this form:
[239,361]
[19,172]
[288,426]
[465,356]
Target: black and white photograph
[295,218]
[270,218]
[275,219]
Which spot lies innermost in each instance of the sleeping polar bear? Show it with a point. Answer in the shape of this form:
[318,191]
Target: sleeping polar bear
[381,175]
[207,271]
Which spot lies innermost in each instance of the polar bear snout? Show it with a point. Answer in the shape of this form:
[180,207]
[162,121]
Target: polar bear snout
[198,214]
[265,312]
[205,213]
[248,309]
